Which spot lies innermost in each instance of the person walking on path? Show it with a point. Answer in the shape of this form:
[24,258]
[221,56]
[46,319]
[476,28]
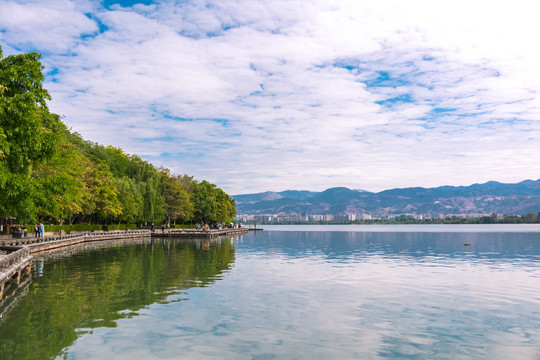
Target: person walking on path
[42,230]
[36,229]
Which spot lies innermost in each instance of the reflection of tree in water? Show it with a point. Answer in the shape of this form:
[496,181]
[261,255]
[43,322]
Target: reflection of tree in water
[14,294]
[99,284]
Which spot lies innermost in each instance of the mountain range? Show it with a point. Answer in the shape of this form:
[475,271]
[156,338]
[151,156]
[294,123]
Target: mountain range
[487,198]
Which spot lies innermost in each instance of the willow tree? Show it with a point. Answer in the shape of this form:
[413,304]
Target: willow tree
[130,199]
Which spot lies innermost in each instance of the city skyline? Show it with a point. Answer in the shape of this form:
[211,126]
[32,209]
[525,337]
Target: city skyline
[306,95]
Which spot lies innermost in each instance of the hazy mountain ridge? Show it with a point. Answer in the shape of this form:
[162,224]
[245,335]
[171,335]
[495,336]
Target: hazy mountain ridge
[487,198]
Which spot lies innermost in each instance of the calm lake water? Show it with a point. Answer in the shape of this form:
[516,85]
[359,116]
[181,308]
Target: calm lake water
[295,292]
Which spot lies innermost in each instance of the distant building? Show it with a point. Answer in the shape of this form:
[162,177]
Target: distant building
[328,217]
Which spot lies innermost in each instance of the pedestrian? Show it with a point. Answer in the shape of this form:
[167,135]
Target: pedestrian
[153,228]
[36,229]
[42,230]
[163,227]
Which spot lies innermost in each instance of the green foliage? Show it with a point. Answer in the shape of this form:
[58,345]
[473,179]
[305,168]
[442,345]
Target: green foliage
[23,113]
[178,205]
[225,206]
[115,157]
[75,227]
[17,197]
[100,195]
[61,183]
[112,227]
[50,173]
[85,227]
[183,226]
[130,199]
[212,204]
[26,134]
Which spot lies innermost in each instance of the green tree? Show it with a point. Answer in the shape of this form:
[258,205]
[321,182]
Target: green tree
[204,202]
[212,204]
[114,157]
[131,200]
[225,206]
[25,139]
[100,197]
[188,183]
[61,184]
[177,202]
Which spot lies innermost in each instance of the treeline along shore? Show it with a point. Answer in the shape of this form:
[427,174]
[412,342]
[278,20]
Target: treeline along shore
[50,174]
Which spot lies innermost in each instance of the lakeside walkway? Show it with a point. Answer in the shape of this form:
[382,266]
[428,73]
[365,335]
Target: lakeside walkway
[15,253]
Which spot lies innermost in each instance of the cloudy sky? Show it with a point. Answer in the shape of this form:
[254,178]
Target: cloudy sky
[259,95]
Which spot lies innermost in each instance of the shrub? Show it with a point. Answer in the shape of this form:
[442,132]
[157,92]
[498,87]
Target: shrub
[84,227]
[185,226]
[119,227]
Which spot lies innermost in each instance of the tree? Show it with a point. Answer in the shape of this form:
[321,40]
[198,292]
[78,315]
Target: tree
[22,110]
[212,204]
[148,181]
[131,201]
[177,202]
[24,138]
[188,183]
[114,157]
[225,206]
[204,202]
[61,185]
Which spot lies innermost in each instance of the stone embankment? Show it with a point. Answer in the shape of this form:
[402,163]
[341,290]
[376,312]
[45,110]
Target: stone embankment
[13,263]
[15,253]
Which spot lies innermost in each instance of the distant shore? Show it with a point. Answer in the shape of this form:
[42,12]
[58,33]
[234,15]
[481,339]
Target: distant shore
[477,221]
[457,228]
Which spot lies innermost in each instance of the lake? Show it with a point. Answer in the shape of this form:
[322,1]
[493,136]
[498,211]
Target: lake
[288,292]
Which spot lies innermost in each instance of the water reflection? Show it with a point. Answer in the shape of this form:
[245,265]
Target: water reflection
[290,295]
[95,285]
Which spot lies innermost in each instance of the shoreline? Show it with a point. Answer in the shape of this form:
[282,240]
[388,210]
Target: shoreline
[533,228]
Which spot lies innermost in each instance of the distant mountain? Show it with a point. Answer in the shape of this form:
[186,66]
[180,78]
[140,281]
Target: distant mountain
[271,195]
[487,198]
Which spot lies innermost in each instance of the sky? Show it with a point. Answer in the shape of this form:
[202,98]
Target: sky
[257,95]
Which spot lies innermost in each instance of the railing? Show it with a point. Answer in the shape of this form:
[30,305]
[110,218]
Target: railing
[15,254]
[33,244]
[202,231]
[27,240]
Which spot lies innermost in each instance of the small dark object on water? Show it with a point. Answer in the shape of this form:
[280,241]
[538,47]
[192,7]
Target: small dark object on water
[467,244]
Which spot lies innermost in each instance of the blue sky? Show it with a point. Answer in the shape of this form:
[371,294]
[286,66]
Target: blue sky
[307,94]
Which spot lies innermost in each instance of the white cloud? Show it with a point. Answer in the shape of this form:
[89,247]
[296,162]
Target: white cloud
[255,96]
[52,26]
